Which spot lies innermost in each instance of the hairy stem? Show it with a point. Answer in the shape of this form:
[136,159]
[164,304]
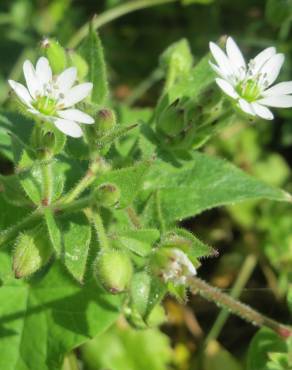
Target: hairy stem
[212,294]
[47,183]
[11,233]
[242,278]
[99,227]
[83,184]
[112,14]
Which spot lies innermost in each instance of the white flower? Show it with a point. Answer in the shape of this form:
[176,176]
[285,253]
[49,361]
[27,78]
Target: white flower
[52,97]
[250,84]
[179,267]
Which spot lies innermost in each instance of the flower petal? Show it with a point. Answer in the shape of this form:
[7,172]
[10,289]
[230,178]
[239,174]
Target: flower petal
[217,70]
[279,101]
[261,58]
[76,94]
[262,111]
[43,70]
[69,128]
[222,60]
[21,91]
[32,82]
[76,115]
[66,79]
[227,88]
[234,54]
[246,107]
[281,88]
[271,68]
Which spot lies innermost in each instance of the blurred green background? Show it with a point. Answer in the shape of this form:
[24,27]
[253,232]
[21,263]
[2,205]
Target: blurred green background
[254,240]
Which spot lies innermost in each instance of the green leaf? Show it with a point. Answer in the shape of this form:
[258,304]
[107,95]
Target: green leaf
[129,180]
[137,241]
[45,318]
[92,51]
[196,186]
[264,351]
[196,248]
[126,348]
[12,191]
[76,236]
[10,214]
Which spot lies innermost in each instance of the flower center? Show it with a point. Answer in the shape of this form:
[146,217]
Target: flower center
[46,105]
[249,90]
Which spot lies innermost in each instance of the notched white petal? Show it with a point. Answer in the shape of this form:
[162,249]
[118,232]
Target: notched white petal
[279,101]
[32,81]
[227,88]
[282,88]
[221,59]
[262,112]
[77,94]
[66,79]
[271,68]
[217,70]
[43,70]
[234,54]
[76,115]
[21,91]
[262,58]
[245,107]
[68,127]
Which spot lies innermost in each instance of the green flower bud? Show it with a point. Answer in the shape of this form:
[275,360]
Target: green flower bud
[80,63]
[113,270]
[56,55]
[105,121]
[32,252]
[107,195]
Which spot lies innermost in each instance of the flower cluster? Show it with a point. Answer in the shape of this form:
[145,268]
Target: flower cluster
[52,98]
[250,84]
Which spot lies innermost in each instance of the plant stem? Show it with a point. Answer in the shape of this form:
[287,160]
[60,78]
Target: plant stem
[9,234]
[83,183]
[79,188]
[99,227]
[213,294]
[242,278]
[47,182]
[112,14]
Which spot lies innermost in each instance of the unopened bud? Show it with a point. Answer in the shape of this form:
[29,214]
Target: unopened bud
[107,195]
[56,55]
[32,252]
[105,121]
[113,270]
